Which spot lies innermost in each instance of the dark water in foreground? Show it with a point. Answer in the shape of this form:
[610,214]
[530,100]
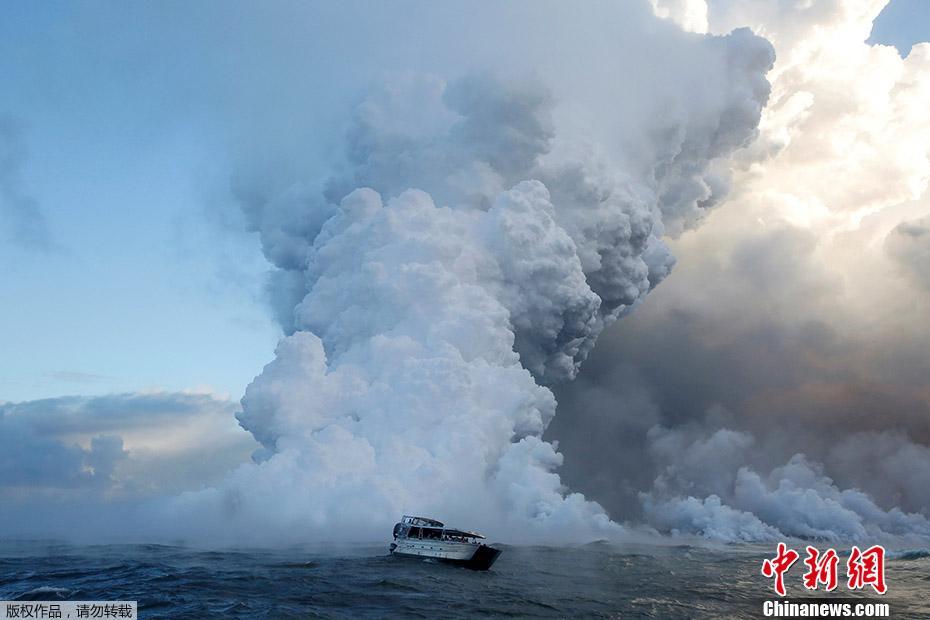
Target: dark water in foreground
[596,580]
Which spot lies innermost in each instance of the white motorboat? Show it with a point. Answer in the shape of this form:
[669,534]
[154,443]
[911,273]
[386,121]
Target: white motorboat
[421,537]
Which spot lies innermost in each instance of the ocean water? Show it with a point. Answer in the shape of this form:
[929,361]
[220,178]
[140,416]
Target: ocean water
[597,580]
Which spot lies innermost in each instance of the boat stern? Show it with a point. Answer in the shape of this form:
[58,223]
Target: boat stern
[484,558]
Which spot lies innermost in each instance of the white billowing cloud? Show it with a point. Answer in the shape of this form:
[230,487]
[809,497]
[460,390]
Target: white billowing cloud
[845,133]
[709,518]
[466,254]
[698,494]
[801,501]
[423,401]
[401,391]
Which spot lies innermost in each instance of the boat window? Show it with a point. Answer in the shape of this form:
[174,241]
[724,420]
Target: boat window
[414,532]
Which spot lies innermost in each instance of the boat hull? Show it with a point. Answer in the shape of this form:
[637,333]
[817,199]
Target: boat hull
[478,557]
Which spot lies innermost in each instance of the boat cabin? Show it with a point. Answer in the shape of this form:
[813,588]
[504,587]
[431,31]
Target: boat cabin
[431,529]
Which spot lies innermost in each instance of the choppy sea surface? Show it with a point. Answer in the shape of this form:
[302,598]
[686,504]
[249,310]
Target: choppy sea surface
[597,580]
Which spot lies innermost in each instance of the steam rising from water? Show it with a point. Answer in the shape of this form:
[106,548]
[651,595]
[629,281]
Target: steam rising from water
[707,487]
[465,255]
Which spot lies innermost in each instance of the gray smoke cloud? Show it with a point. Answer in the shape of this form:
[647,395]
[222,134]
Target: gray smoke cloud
[739,429]
[909,245]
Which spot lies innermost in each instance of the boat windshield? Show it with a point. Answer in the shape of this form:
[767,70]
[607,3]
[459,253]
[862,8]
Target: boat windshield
[422,521]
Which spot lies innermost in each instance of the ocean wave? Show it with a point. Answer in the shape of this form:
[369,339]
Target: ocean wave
[44,593]
[908,554]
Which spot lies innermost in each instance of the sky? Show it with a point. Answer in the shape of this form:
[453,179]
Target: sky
[902,23]
[113,170]
[151,157]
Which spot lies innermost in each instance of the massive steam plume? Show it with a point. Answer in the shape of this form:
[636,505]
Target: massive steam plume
[467,253]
